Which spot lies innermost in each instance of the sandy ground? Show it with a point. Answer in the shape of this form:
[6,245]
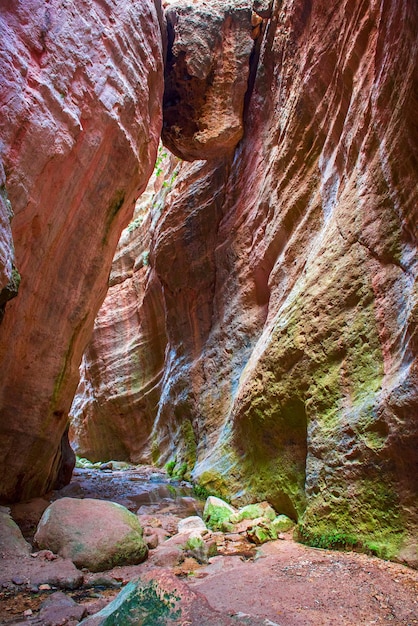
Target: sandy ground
[293,585]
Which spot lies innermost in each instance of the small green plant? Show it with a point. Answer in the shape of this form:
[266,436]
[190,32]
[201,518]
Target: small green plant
[194,543]
[136,223]
[145,258]
[333,540]
[181,471]
[169,467]
[169,183]
[201,492]
[162,154]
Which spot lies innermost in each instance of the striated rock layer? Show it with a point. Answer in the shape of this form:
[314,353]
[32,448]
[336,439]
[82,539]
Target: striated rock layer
[287,277]
[117,398]
[81,94]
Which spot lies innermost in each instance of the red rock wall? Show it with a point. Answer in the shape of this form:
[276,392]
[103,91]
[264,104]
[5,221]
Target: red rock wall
[288,276]
[118,395]
[81,94]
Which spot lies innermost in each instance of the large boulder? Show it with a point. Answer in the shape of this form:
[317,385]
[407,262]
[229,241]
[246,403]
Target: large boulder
[206,77]
[161,599]
[12,543]
[217,513]
[92,533]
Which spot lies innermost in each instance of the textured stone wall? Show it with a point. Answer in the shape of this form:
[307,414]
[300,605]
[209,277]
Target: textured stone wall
[288,277]
[81,96]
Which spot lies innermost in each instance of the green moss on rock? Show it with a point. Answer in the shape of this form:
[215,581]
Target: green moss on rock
[138,603]
[367,518]
[253,511]
[282,524]
[217,514]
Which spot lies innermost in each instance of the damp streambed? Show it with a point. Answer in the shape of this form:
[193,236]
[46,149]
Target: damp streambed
[135,487]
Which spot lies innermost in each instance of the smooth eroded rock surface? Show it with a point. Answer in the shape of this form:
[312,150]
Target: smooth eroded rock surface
[80,119]
[12,543]
[288,282]
[123,366]
[92,533]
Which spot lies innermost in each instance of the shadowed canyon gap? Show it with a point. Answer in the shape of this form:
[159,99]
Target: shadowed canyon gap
[260,324]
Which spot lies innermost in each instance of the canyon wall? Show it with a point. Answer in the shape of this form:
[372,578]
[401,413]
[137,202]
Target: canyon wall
[276,356]
[81,99]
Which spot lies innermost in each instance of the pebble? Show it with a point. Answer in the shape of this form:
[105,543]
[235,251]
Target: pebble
[44,587]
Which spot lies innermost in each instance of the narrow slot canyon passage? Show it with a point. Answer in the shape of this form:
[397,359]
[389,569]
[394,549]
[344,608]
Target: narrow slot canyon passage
[208,312]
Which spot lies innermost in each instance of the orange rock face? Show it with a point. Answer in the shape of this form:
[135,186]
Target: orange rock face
[288,277]
[81,95]
[118,395]
[209,48]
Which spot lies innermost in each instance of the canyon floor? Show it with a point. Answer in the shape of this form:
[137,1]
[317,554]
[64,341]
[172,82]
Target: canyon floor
[281,582]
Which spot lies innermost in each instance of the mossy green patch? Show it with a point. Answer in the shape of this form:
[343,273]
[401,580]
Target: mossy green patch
[10,291]
[321,370]
[368,519]
[282,524]
[217,514]
[253,511]
[198,549]
[211,483]
[129,551]
[138,603]
[259,534]
[189,441]
[185,450]
[84,463]
[169,467]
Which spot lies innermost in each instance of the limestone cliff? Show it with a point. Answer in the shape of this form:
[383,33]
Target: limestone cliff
[81,96]
[288,277]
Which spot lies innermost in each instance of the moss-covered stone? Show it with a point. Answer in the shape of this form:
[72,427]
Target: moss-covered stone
[138,603]
[253,511]
[281,524]
[217,514]
[212,483]
[260,534]
[197,548]
[365,518]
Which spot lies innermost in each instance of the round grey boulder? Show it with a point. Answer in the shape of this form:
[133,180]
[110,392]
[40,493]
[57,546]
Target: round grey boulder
[92,533]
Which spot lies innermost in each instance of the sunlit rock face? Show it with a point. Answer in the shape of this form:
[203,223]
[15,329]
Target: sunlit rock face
[117,399]
[209,47]
[81,96]
[9,277]
[288,278]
